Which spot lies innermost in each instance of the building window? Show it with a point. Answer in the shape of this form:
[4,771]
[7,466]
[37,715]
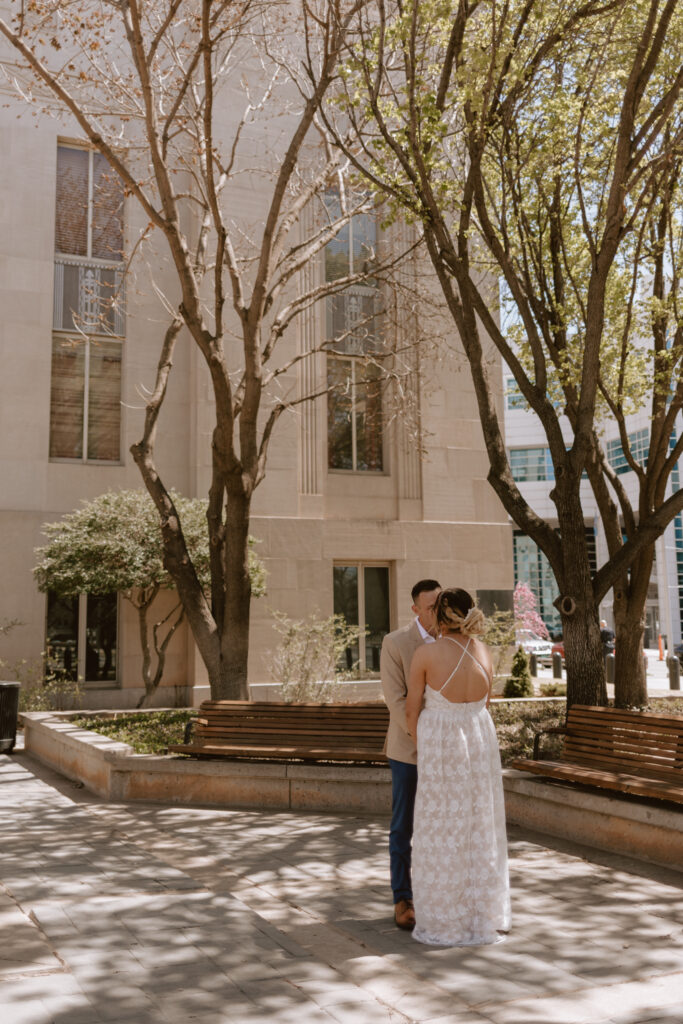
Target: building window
[528,464]
[639,444]
[354,416]
[514,399]
[81,636]
[88,313]
[354,412]
[531,566]
[361,595]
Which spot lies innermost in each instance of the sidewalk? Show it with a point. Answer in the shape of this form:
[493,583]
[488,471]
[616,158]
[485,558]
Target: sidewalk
[150,914]
[657,681]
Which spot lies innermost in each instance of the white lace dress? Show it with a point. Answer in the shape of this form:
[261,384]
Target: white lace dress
[459,863]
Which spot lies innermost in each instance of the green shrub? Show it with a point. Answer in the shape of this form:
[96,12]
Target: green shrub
[146,732]
[519,684]
[554,689]
[517,723]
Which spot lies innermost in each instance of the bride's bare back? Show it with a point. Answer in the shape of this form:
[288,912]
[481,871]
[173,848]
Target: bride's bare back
[459,667]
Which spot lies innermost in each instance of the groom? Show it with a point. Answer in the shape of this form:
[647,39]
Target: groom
[397,653]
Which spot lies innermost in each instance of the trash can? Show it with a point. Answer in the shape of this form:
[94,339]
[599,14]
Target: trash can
[9,708]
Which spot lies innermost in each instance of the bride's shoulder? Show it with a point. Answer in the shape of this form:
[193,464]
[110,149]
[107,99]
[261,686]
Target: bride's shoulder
[482,650]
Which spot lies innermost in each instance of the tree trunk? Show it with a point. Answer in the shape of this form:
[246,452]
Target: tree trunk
[576,603]
[630,681]
[583,656]
[231,682]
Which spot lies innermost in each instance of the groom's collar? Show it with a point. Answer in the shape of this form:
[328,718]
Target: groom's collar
[426,637]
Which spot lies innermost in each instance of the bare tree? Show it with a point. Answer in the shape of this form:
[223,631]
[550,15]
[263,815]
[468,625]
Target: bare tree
[196,104]
[541,142]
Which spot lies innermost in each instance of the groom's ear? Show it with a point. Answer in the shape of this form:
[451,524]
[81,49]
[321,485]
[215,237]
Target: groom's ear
[415,609]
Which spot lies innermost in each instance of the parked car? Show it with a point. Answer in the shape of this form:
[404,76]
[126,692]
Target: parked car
[534,644]
[558,648]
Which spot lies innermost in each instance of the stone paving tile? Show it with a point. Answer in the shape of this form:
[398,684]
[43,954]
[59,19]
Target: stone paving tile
[468,1017]
[359,1013]
[165,915]
[662,1017]
[25,949]
[560,1010]
[74,1009]
[28,1011]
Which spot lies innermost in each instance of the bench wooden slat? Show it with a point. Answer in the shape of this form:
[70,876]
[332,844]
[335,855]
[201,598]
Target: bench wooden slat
[649,718]
[635,752]
[270,739]
[624,783]
[641,739]
[281,752]
[608,749]
[351,733]
[632,767]
[575,749]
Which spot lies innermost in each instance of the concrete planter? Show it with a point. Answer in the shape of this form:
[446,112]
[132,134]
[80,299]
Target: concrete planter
[114,771]
[638,828]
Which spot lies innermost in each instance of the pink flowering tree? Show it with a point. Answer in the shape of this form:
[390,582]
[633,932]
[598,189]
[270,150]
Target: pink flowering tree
[526,615]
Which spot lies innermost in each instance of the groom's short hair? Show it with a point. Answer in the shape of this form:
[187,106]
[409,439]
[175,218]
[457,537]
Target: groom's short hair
[423,585]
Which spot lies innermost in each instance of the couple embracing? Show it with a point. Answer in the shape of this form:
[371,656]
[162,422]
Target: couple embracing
[447,844]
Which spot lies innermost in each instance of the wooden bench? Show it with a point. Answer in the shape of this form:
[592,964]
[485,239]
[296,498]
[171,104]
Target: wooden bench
[276,731]
[636,752]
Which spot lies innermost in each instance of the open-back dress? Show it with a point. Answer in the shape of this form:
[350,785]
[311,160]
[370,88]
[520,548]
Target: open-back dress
[459,862]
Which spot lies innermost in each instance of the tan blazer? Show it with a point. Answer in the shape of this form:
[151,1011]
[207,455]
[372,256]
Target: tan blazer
[397,653]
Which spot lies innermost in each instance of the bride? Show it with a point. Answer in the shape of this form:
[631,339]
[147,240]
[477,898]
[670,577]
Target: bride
[460,871]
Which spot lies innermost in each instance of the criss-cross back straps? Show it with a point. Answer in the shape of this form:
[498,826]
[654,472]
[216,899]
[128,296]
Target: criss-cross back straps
[465,651]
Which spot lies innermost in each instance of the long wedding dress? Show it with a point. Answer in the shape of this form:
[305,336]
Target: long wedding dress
[459,863]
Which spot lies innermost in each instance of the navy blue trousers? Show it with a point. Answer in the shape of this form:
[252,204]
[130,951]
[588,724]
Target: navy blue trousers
[403,786]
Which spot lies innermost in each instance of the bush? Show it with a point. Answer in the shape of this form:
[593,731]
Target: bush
[146,732]
[500,637]
[517,723]
[53,693]
[519,684]
[306,664]
[41,690]
[554,689]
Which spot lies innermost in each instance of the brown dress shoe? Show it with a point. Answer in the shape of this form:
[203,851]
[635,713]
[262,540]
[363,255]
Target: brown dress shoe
[404,915]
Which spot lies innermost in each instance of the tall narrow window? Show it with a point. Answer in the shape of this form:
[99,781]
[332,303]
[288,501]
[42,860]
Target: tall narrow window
[81,637]
[88,317]
[354,411]
[361,595]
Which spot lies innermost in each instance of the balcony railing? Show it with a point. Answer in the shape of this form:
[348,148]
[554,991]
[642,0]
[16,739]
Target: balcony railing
[89,297]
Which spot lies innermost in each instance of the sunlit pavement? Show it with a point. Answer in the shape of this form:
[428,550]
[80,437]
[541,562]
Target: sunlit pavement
[152,913]
[658,683]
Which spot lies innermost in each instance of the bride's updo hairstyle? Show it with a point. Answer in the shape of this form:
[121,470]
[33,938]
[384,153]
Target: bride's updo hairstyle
[455,609]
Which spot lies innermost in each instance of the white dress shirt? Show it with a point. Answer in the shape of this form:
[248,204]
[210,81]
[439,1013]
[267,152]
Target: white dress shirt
[427,637]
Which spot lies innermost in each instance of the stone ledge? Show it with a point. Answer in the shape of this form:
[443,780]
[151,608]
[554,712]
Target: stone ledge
[636,827]
[112,770]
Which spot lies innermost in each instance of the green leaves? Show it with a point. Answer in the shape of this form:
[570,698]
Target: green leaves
[114,543]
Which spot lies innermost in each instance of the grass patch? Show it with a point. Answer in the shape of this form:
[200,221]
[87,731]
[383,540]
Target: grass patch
[151,732]
[148,732]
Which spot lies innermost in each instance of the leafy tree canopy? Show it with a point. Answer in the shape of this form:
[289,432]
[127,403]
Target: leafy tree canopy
[114,543]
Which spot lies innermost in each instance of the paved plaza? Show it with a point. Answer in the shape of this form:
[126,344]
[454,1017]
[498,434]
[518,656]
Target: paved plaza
[153,914]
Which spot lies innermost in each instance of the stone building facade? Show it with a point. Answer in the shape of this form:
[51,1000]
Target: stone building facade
[345,522]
